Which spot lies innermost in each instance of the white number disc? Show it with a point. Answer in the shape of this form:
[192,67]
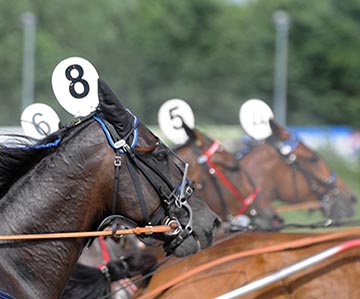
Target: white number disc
[75,85]
[171,115]
[39,120]
[254,118]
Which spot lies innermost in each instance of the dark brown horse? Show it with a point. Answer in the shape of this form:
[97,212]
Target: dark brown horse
[215,272]
[109,270]
[104,169]
[288,170]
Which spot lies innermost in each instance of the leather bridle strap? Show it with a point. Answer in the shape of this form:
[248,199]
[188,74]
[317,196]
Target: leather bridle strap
[201,160]
[298,206]
[104,252]
[245,201]
[103,266]
[138,190]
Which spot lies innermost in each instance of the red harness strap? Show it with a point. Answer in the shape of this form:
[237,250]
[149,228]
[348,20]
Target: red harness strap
[104,251]
[245,201]
[125,283]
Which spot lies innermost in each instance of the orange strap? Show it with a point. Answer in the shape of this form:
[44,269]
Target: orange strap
[137,231]
[298,206]
[272,248]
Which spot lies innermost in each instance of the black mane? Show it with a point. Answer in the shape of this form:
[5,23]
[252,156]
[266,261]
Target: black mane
[19,156]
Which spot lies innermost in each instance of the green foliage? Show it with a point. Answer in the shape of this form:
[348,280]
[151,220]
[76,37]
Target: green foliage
[213,53]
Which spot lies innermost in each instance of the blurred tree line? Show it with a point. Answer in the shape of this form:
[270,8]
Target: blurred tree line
[215,54]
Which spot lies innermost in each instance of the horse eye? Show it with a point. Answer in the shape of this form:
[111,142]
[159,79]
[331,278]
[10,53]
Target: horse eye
[314,158]
[161,155]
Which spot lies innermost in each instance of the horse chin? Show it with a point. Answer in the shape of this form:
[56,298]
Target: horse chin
[188,247]
[272,222]
[204,230]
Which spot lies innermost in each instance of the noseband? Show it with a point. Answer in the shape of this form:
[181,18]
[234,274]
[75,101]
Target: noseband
[172,197]
[286,150]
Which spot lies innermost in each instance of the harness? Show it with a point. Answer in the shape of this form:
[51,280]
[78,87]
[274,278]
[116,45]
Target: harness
[205,160]
[286,150]
[173,197]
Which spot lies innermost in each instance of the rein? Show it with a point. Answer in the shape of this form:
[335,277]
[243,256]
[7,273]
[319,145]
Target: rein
[206,158]
[148,230]
[299,206]
[308,241]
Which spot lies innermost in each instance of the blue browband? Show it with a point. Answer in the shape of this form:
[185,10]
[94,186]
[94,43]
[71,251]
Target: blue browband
[117,145]
[293,141]
[287,146]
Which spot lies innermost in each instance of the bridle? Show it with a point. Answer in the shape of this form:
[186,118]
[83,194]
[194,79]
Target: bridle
[173,197]
[286,150]
[204,159]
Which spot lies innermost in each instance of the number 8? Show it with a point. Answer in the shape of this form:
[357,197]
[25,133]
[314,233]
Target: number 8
[78,79]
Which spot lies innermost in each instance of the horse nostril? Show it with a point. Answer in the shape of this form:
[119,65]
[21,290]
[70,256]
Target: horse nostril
[354,199]
[217,223]
[277,220]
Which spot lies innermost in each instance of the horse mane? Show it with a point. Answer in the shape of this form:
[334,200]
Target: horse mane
[88,282]
[20,154]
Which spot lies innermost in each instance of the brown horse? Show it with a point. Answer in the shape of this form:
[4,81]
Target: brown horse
[262,175]
[225,185]
[104,169]
[288,170]
[221,269]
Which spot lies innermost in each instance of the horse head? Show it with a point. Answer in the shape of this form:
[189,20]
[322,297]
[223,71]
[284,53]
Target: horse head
[304,176]
[224,183]
[104,169]
[154,172]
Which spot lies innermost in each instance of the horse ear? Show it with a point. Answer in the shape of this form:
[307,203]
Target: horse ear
[274,127]
[113,110]
[190,132]
[277,130]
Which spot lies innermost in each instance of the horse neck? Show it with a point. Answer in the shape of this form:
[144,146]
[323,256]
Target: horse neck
[261,163]
[276,178]
[59,194]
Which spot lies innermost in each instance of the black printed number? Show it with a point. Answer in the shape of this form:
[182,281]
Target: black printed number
[173,116]
[77,80]
[42,127]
